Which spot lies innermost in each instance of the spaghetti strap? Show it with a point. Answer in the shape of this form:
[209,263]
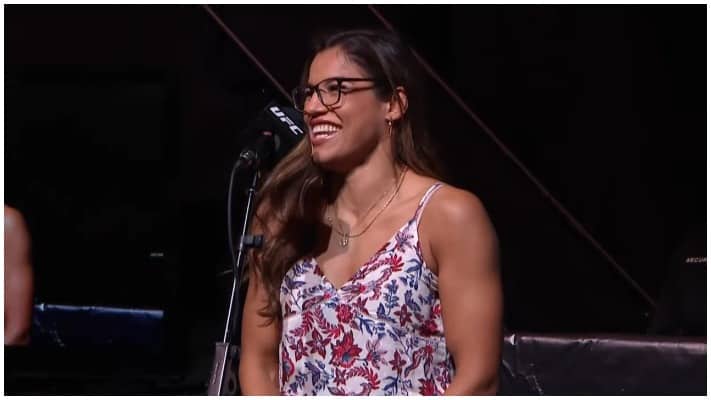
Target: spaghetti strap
[425,200]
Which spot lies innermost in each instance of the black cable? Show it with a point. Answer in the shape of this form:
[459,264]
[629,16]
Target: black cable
[230,236]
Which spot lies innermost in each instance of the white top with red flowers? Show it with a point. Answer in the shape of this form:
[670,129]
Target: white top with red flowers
[381,333]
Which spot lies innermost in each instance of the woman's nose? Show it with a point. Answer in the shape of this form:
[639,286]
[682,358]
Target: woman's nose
[313,105]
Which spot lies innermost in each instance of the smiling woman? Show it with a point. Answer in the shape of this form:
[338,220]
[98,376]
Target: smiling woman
[376,278]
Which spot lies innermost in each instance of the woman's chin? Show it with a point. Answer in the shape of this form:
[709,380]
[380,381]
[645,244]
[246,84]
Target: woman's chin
[318,156]
[323,161]
[330,162]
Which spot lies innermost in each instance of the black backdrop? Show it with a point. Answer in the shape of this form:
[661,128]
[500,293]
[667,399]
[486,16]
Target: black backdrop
[121,123]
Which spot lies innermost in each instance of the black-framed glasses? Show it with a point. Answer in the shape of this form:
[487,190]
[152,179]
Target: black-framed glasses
[328,91]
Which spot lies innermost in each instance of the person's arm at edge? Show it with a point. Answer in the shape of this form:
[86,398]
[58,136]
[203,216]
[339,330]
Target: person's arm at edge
[19,280]
[465,247]
[259,360]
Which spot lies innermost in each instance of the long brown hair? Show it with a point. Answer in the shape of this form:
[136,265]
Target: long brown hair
[291,202]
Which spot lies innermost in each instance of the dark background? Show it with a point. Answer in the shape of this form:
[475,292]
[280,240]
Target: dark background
[122,122]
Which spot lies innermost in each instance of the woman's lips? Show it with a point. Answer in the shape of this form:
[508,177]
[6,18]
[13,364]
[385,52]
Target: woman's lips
[321,138]
[323,132]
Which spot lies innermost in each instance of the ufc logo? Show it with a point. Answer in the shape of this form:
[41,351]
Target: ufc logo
[282,117]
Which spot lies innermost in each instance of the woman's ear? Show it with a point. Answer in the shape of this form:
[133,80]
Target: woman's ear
[397,106]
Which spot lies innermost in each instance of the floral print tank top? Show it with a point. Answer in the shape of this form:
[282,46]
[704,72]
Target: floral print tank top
[381,333]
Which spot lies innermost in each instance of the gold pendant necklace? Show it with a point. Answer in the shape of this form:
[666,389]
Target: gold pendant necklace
[344,240]
[344,237]
[345,234]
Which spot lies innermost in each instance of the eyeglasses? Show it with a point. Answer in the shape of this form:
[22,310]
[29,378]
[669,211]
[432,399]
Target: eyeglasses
[328,91]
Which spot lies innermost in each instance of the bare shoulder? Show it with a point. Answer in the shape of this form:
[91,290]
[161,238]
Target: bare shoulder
[14,223]
[454,224]
[17,239]
[448,205]
[13,217]
[456,206]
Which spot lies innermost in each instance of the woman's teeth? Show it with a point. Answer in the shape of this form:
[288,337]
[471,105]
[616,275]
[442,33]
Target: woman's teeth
[324,129]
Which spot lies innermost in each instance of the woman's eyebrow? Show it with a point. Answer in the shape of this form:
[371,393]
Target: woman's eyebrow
[332,78]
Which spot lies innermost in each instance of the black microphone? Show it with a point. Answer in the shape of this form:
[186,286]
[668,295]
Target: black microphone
[277,129]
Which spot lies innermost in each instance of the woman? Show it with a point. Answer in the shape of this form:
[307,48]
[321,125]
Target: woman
[375,277]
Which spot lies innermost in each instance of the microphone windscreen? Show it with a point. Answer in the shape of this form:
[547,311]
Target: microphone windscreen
[286,125]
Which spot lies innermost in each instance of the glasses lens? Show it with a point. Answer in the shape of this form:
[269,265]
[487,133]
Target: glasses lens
[330,92]
[298,96]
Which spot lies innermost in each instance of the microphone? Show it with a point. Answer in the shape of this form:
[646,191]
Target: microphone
[277,129]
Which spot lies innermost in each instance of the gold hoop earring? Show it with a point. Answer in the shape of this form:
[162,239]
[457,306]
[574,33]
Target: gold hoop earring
[390,127]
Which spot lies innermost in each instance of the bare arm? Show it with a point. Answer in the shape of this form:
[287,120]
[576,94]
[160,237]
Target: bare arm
[19,280]
[464,245]
[259,362]
[259,356]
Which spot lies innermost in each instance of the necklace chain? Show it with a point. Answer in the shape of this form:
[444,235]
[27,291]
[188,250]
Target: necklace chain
[345,235]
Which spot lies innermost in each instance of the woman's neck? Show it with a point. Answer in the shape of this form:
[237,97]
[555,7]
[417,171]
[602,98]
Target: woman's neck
[356,191]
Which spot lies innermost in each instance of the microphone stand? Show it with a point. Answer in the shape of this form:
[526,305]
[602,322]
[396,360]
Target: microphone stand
[223,378]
